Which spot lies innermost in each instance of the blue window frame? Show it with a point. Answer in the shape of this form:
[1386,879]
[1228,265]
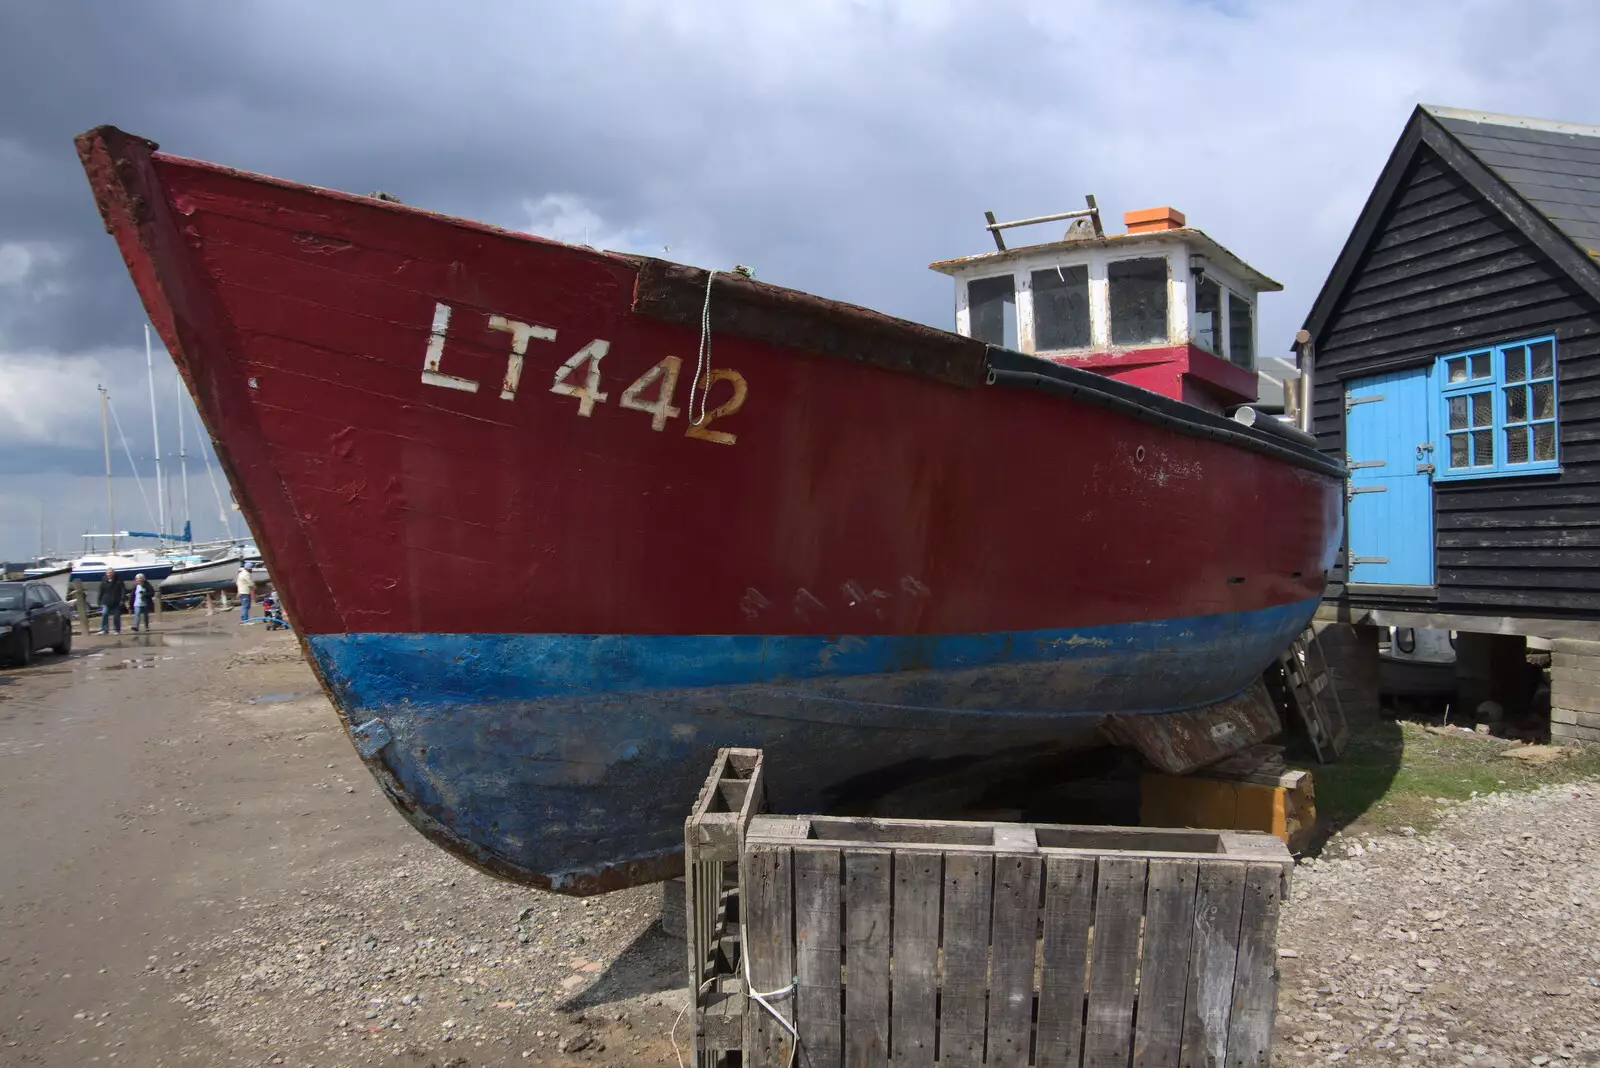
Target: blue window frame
[1498,411]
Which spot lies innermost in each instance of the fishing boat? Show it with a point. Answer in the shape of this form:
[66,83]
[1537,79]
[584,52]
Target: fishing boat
[554,524]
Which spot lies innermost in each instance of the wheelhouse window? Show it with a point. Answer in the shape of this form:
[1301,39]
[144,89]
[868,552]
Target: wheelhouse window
[1241,332]
[992,307]
[1208,315]
[1138,290]
[1499,410]
[1061,308]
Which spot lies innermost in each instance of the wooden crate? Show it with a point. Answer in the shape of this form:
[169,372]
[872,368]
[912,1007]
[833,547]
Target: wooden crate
[913,942]
[713,836]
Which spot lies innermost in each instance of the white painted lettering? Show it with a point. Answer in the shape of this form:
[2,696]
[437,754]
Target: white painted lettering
[589,393]
[520,335]
[660,409]
[431,375]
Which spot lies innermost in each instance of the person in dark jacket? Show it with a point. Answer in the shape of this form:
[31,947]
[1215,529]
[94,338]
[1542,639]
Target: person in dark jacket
[113,592]
[144,598]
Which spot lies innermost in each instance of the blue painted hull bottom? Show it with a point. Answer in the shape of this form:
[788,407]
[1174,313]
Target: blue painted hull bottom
[570,761]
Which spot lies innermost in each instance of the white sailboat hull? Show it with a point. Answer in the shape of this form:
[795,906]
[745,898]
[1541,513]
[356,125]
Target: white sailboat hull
[196,578]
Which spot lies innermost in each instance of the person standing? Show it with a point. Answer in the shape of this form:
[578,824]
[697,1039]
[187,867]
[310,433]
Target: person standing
[246,585]
[113,592]
[144,596]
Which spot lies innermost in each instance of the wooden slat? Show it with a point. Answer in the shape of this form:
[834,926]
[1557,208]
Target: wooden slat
[968,880]
[1164,962]
[1219,900]
[1118,907]
[817,941]
[1068,905]
[913,1025]
[1255,987]
[866,956]
[1014,944]
[767,900]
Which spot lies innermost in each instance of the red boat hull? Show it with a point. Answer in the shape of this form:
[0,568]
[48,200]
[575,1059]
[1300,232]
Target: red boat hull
[438,428]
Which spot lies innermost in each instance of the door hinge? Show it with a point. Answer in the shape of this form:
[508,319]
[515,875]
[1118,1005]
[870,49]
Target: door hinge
[1354,464]
[1351,402]
[1356,561]
[1353,490]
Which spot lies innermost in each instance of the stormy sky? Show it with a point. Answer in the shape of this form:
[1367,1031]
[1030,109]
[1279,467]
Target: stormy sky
[837,146]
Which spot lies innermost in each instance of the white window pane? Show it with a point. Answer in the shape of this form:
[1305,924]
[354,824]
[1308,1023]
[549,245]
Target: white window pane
[1241,332]
[992,305]
[1061,308]
[1138,290]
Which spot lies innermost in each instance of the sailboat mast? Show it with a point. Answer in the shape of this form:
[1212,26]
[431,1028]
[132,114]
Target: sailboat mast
[183,458]
[155,434]
[111,508]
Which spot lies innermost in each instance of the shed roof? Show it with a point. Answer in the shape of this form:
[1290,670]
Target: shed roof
[1554,166]
[1541,174]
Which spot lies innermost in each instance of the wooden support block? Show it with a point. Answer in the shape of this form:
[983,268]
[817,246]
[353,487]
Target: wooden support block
[1283,805]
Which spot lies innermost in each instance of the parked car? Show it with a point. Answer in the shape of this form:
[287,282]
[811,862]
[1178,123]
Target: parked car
[33,617]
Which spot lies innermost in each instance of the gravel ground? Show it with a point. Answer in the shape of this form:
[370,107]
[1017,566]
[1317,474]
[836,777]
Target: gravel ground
[438,965]
[1476,944]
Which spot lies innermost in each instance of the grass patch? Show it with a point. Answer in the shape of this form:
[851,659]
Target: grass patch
[1392,772]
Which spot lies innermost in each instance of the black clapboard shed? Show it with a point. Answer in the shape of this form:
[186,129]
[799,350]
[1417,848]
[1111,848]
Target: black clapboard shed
[1457,371]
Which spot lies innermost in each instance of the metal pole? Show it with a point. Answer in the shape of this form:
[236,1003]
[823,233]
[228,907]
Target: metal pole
[183,457]
[1302,341]
[105,432]
[155,435]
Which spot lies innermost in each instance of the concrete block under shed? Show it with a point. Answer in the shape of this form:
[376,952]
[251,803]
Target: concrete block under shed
[1572,732]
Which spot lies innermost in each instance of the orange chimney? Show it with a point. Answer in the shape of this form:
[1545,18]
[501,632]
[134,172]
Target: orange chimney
[1152,220]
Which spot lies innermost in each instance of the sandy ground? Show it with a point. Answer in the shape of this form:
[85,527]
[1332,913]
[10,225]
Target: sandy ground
[197,870]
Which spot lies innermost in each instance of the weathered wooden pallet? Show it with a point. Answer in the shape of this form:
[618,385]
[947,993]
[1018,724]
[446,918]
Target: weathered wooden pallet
[1314,696]
[938,942]
[713,837]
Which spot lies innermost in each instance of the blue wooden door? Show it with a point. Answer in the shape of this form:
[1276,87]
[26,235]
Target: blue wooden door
[1389,448]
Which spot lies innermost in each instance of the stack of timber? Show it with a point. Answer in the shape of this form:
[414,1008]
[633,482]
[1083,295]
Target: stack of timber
[1253,790]
[1575,690]
[1314,697]
[922,941]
